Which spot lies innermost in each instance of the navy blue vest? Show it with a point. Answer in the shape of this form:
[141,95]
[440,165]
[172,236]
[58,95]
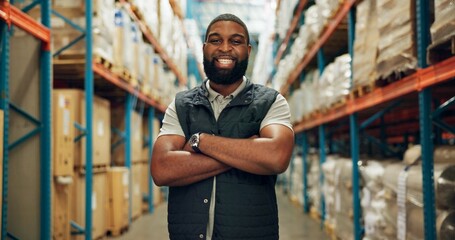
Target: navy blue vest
[245,205]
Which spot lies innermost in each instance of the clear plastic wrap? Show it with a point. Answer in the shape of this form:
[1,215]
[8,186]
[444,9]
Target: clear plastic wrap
[444,23]
[365,44]
[397,46]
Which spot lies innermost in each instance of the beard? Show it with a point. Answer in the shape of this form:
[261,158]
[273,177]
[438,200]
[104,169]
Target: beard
[225,77]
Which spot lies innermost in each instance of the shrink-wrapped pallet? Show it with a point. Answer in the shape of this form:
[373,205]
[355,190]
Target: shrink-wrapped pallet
[444,175]
[444,20]
[335,82]
[397,41]
[373,201]
[365,44]
[338,195]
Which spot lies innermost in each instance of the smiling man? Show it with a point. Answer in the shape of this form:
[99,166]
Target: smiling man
[222,145]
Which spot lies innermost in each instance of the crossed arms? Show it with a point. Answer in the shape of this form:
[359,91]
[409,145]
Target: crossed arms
[176,164]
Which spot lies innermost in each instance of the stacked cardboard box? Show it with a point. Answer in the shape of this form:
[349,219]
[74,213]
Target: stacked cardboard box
[118,199]
[69,161]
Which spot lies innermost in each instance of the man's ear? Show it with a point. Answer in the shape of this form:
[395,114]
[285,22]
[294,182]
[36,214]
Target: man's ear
[249,49]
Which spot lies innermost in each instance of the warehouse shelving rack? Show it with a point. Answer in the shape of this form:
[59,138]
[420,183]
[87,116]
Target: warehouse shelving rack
[419,83]
[131,95]
[12,16]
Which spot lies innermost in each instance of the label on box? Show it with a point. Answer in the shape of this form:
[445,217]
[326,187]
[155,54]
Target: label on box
[66,122]
[137,190]
[100,128]
[61,101]
[125,179]
[93,201]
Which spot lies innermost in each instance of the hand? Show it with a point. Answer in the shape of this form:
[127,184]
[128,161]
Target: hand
[187,147]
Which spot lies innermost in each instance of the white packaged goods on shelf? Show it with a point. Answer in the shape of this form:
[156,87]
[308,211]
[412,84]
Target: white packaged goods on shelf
[285,14]
[314,187]
[442,174]
[166,26]
[301,102]
[412,154]
[315,23]
[150,13]
[327,8]
[397,44]
[334,83]
[337,191]
[444,154]
[444,20]
[373,201]
[365,44]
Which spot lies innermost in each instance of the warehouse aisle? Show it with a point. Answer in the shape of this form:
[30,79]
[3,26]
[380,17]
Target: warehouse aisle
[294,225]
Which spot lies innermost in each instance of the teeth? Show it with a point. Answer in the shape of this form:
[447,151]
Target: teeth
[225,61]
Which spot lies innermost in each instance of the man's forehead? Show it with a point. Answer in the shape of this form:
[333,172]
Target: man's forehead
[222,24]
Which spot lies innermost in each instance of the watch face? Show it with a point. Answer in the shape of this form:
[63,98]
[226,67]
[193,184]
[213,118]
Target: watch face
[194,140]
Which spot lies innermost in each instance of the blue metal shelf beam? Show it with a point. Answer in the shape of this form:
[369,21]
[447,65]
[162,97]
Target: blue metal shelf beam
[4,78]
[151,117]
[44,126]
[128,134]
[305,170]
[89,92]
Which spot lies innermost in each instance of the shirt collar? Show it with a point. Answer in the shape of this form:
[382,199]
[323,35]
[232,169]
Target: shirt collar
[213,94]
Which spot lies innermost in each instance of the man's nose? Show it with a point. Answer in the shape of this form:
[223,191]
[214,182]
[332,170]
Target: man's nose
[225,46]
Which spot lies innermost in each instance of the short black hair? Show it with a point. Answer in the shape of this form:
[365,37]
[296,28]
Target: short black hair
[228,17]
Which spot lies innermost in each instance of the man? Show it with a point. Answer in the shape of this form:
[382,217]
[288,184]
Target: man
[222,145]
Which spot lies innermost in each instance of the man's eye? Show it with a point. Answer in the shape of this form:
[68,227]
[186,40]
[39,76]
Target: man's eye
[236,42]
[215,41]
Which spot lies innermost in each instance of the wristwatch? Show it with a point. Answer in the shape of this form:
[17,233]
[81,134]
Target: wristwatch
[194,142]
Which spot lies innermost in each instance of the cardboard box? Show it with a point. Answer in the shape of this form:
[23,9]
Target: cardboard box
[99,203]
[118,198]
[101,127]
[63,134]
[136,191]
[60,211]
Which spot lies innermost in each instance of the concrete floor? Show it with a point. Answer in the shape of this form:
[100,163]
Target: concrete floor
[294,225]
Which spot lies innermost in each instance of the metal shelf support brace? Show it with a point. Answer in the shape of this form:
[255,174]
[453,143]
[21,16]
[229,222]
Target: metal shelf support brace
[89,92]
[151,118]
[306,205]
[46,129]
[4,78]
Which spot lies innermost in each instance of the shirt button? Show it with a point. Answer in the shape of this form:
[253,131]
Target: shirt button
[206,200]
[201,236]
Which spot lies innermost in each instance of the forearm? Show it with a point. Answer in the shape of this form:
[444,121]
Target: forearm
[179,168]
[263,155]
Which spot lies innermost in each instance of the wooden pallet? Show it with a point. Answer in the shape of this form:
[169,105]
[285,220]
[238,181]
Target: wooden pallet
[381,82]
[340,102]
[441,50]
[314,214]
[330,230]
[106,63]
[362,90]
[95,169]
[126,75]
[117,232]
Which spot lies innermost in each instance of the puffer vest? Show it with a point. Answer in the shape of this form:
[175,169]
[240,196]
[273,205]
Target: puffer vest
[245,206]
